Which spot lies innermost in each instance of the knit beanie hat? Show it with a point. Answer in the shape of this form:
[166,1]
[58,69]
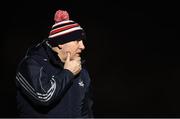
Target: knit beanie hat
[64,30]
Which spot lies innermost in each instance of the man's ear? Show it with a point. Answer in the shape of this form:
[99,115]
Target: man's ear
[60,46]
[57,48]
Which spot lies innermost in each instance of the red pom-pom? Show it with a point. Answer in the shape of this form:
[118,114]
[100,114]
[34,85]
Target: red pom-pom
[61,15]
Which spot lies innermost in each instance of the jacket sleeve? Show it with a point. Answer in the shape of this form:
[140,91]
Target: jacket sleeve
[38,86]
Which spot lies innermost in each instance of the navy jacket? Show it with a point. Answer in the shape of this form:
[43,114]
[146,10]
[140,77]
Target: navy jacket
[45,89]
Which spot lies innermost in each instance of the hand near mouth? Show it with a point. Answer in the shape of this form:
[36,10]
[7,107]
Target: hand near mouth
[73,65]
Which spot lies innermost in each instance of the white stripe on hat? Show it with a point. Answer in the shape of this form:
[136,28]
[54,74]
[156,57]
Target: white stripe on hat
[63,22]
[64,27]
[66,31]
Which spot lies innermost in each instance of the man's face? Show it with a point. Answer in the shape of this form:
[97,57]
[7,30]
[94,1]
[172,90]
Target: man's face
[74,48]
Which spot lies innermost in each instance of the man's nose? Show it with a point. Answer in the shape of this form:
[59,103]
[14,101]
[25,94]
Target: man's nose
[81,45]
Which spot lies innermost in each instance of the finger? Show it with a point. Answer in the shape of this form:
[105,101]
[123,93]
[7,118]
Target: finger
[78,62]
[68,56]
[80,68]
[77,58]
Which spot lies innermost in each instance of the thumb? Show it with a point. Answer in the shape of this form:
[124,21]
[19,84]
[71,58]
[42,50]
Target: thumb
[68,56]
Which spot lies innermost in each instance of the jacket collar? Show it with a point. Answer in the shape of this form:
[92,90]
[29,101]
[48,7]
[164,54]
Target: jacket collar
[52,56]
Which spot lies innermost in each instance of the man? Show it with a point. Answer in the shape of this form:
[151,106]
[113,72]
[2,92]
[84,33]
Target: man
[51,80]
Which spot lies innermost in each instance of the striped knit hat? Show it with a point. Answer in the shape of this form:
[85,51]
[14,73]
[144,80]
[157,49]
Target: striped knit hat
[64,30]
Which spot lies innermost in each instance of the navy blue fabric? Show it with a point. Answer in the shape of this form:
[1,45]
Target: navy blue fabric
[37,72]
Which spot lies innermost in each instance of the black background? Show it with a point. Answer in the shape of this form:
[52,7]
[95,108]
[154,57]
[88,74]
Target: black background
[132,52]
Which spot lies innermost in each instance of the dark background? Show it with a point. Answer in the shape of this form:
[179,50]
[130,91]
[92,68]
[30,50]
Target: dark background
[132,52]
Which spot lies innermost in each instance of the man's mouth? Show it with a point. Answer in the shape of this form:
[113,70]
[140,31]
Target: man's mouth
[78,53]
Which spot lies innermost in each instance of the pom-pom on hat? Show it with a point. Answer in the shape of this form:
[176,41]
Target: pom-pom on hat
[64,30]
